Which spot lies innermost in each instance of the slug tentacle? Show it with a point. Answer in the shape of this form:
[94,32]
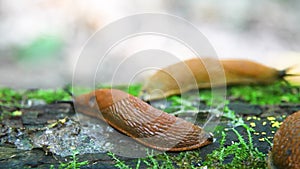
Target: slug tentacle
[144,123]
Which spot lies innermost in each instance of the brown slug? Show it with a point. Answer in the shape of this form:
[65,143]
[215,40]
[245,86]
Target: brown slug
[286,144]
[174,79]
[142,122]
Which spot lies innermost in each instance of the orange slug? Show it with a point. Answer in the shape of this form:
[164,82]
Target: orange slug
[286,144]
[142,122]
[174,79]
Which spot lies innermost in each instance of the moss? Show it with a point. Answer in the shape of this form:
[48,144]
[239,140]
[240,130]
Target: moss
[180,103]
[206,96]
[276,93]
[119,163]
[184,160]
[11,97]
[74,164]
[239,154]
[48,95]
[12,100]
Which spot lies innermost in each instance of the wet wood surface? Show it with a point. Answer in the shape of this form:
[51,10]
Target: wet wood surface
[19,149]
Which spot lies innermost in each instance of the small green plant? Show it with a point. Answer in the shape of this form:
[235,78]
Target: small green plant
[74,164]
[243,154]
[151,161]
[186,160]
[234,119]
[119,163]
[160,161]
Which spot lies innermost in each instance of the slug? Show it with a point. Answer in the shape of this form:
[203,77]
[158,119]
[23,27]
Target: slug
[286,144]
[142,122]
[175,78]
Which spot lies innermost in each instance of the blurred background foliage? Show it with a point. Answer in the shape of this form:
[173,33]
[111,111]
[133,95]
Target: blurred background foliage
[41,40]
[40,50]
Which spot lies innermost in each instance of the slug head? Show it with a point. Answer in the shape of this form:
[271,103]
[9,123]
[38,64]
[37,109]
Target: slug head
[92,103]
[165,82]
[87,104]
[147,95]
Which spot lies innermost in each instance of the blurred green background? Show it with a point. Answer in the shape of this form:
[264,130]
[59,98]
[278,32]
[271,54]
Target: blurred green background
[41,40]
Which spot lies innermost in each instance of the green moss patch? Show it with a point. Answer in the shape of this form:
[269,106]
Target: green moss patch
[11,97]
[276,93]
[240,154]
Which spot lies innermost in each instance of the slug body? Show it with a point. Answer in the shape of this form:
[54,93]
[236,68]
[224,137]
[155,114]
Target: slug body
[142,122]
[193,73]
[286,144]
